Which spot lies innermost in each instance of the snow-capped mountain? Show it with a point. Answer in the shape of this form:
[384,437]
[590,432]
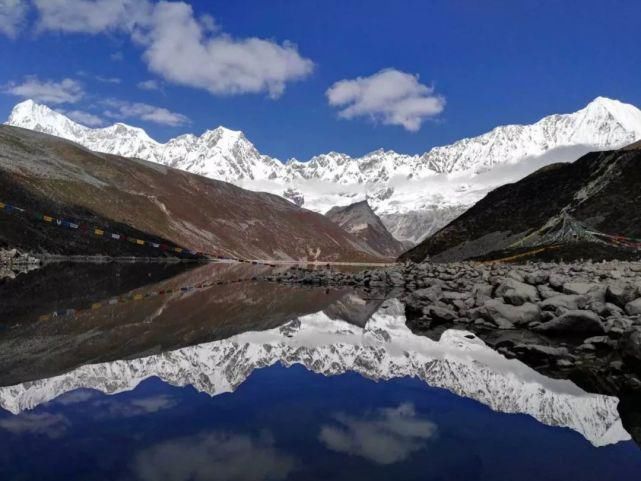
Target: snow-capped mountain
[430,189]
[383,349]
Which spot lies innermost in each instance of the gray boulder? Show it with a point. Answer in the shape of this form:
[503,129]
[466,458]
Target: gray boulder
[505,315]
[631,345]
[574,322]
[545,292]
[481,292]
[565,301]
[428,294]
[633,307]
[517,293]
[578,287]
[440,314]
[621,294]
[537,277]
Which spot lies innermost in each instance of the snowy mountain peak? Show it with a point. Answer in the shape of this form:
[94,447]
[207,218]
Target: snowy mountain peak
[30,115]
[413,194]
[628,116]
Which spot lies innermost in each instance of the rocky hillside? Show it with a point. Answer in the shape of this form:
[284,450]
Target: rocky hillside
[359,219]
[560,204]
[51,176]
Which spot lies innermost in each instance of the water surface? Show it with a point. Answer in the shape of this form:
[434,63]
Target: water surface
[203,374]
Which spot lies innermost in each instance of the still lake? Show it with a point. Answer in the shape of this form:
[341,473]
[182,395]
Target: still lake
[177,373]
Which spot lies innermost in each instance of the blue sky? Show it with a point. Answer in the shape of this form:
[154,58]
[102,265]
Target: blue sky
[414,73]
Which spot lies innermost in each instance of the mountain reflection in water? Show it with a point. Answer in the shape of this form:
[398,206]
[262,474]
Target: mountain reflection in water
[325,383]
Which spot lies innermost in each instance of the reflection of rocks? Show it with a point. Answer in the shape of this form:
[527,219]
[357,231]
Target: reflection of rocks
[383,349]
[13,262]
[149,325]
[591,311]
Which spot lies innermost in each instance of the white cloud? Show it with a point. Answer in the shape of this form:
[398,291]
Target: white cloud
[389,96]
[85,118]
[385,437]
[179,48]
[216,455]
[117,57]
[149,85]
[51,425]
[12,16]
[119,109]
[91,16]
[108,80]
[47,91]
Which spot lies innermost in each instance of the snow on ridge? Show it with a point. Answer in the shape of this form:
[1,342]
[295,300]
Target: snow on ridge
[384,349]
[413,194]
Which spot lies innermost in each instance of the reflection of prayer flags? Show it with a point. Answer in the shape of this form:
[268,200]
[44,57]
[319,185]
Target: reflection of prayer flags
[115,236]
[153,244]
[2,205]
[99,231]
[113,301]
[137,297]
[163,247]
[73,226]
[46,218]
[97,305]
[140,242]
[44,317]
[178,249]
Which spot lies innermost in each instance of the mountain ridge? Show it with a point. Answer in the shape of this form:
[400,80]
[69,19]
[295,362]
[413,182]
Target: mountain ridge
[590,201]
[414,195]
[43,173]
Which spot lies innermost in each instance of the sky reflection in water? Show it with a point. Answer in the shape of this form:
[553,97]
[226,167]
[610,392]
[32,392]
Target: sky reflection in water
[310,385]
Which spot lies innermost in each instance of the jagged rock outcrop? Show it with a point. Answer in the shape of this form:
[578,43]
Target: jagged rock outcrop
[360,220]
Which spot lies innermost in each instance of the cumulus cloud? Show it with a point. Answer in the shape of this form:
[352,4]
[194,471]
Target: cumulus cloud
[221,456]
[119,109]
[390,96]
[181,48]
[91,16]
[50,425]
[12,16]
[47,91]
[387,436]
[149,85]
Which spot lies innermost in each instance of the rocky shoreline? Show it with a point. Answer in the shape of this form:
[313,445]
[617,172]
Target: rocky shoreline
[578,321]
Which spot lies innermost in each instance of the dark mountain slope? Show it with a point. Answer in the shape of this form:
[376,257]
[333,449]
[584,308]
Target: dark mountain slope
[52,176]
[359,219]
[599,192]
